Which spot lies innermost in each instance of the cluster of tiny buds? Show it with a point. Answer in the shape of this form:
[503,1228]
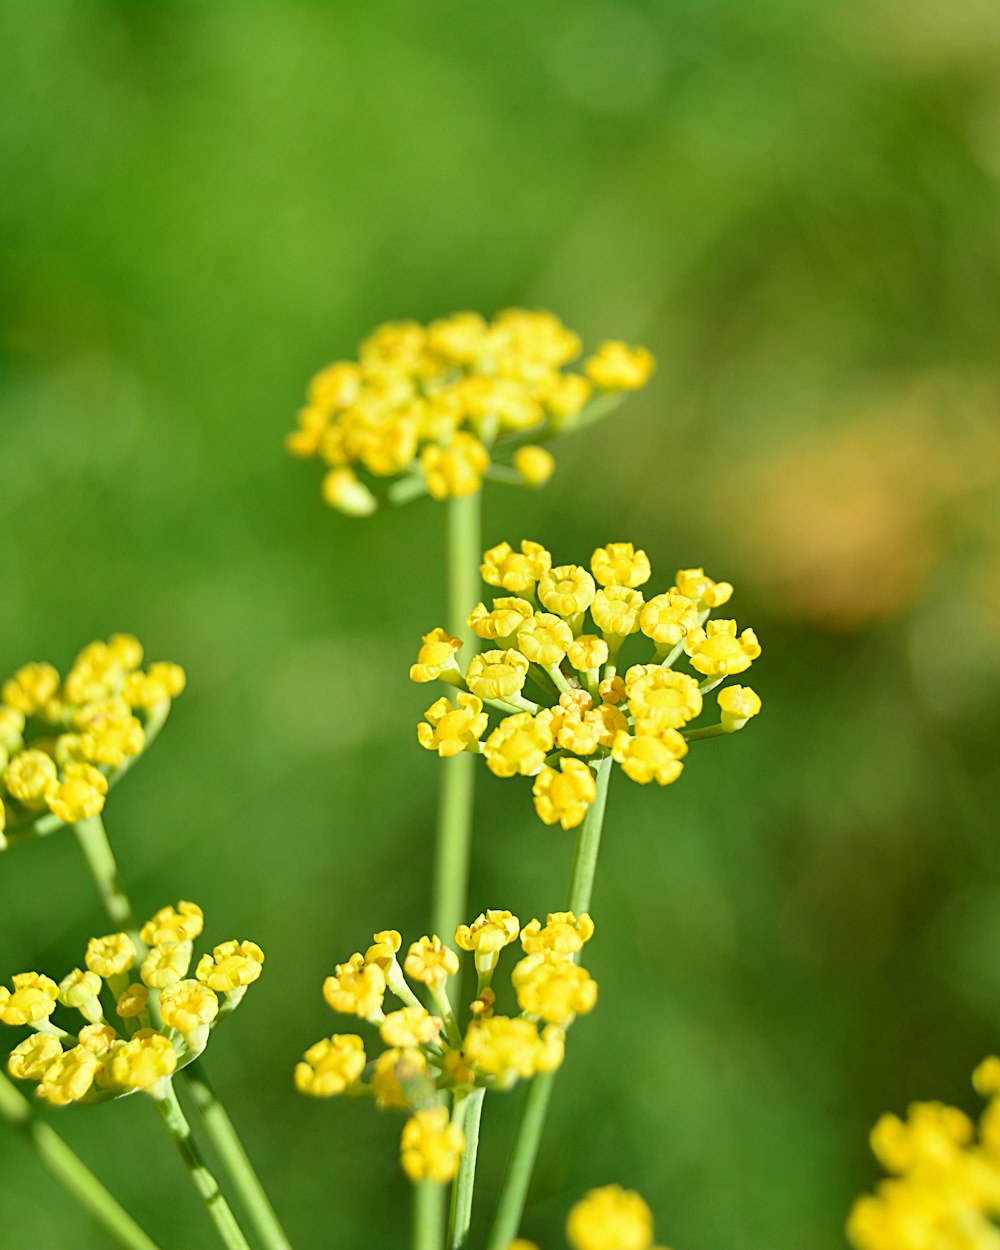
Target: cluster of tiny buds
[61,739]
[609,1218]
[944,1186]
[560,633]
[430,1051]
[433,406]
[138,1029]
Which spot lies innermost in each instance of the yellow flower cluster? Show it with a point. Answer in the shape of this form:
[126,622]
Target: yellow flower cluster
[430,1049]
[62,738]
[144,1016]
[944,1186]
[432,405]
[556,637]
[610,1218]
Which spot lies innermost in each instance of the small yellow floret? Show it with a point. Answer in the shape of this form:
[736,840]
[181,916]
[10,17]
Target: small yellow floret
[620,564]
[519,744]
[535,464]
[173,924]
[32,1000]
[497,674]
[30,688]
[563,797]
[395,1072]
[410,1026]
[455,470]
[516,572]
[667,619]
[616,611]
[165,965]
[30,777]
[701,589]
[29,1059]
[133,1001]
[430,961]
[329,1066]
[431,1146]
[141,1062]
[187,1006]
[587,653]
[553,988]
[563,933]
[738,704]
[717,651]
[436,656]
[502,621]
[567,590]
[490,932]
[544,639]
[344,490]
[80,793]
[453,727]
[611,1218]
[231,965]
[69,1077]
[617,367]
[650,756]
[356,989]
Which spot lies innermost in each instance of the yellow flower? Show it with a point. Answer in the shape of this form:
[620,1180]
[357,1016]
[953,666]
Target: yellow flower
[535,464]
[100,1038]
[79,795]
[110,956]
[430,961]
[611,1218]
[489,933]
[519,744]
[109,733]
[563,933]
[329,1066]
[410,1026]
[587,653]
[716,650]
[737,704]
[612,690]
[69,1077]
[497,674]
[516,572]
[345,491]
[502,621]
[986,1078]
[667,619]
[30,776]
[512,1049]
[650,756]
[386,945]
[617,367]
[567,590]
[133,1001]
[396,344]
[11,729]
[231,965]
[159,685]
[173,924]
[32,1000]
[453,727]
[30,1058]
[165,965]
[563,797]
[431,1146]
[616,611]
[553,988]
[455,470]
[660,698]
[436,656]
[394,1071]
[460,339]
[335,386]
[144,1060]
[187,1006]
[357,988]
[30,688]
[619,564]
[701,590]
[81,990]
[544,639]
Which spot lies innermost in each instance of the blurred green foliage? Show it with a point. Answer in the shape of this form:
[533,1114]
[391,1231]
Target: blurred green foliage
[795,205]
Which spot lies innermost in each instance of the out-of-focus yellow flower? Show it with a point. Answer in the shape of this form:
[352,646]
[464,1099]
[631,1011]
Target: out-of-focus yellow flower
[395,1070]
[69,1077]
[109,733]
[509,1049]
[562,934]
[611,1218]
[79,795]
[497,674]
[30,777]
[513,571]
[617,367]
[553,988]
[29,1059]
[453,727]
[430,961]
[356,989]
[431,1147]
[738,704]
[161,683]
[330,1065]
[620,564]
[455,470]
[717,651]
[344,490]
[30,688]
[535,464]
[32,1000]
[519,744]
[436,657]
[563,797]
[410,1027]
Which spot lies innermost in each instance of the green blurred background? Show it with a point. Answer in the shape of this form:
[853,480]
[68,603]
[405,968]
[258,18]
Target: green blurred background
[795,205]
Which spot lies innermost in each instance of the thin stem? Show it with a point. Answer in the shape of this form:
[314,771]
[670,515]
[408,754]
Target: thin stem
[71,1171]
[708,731]
[454,828]
[536,1103]
[96,846]
[203,1180]
[428,1215]
[468,1114]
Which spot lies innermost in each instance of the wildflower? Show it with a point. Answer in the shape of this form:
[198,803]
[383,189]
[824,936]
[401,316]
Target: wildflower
[330,1066]
[617,367]
[100,1038]
[431,1147]
[534,463]
[109,733]
[30,776]
[188,1006]
[80,794]
[553,988]
[701,590]
[356,989]
[162,683]
[660,698]
[668,618]
[384,950]
[502,621]
[30,1058]
[509,1049]
[343,489]
[587,653]
[453,727]
[620,564]
[143,1061]
[616,611]
[231,966]
[562,934]
[133,1001]
[563,797]
[410,1027]
[165,965]
[497,674]
[488,934]
[82,990]
[430,961]
[567,590]
[393,1073]
[544,639]
[457,469]
[737,705]
[611,1218]
[30,688]
[716,650]
[173,924]
[517,572]
[519,744]
[650,756]
[436,658]
[32,1000]
[69,1077]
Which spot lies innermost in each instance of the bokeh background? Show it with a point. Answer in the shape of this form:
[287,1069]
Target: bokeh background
[795,205]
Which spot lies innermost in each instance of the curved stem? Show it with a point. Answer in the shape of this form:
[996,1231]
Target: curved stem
[536,1103]
[203,1180]
[454,826]
[468,1114]
[70,1170]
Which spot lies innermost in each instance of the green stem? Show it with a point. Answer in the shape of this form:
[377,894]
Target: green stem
[428,1215]
[70,1171]
[203,1180]
[93,839]
[454,828]
[536,1103]
[468,1115]
[708,731]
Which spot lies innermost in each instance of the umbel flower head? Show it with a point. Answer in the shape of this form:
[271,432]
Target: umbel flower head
[554,671]
[436,408]
[64,741]
[943,1189]
[144,1015]
[432,1048]
[609,1218]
